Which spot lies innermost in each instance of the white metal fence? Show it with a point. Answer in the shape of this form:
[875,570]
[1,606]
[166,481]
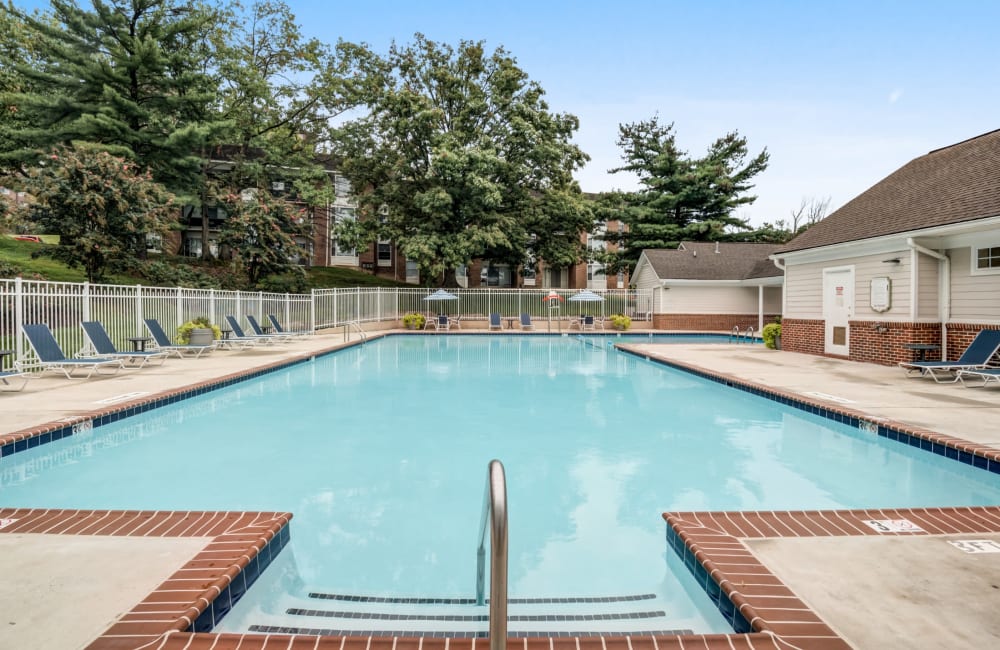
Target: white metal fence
[63,305]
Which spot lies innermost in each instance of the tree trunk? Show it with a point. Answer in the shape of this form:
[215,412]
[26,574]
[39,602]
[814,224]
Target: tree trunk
[450,279]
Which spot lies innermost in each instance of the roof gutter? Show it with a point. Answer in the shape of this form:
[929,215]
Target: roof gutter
[780,263]
[944,308]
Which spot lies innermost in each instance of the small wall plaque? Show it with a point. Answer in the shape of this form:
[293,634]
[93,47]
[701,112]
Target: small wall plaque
[881,294]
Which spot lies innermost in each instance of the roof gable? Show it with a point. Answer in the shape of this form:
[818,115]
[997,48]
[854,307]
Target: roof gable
[947,186]
[713,261]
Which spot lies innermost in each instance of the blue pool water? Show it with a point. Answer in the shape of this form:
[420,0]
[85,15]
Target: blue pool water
[380,451]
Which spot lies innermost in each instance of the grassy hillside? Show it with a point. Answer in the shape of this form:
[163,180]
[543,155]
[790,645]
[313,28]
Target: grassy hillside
[15,257]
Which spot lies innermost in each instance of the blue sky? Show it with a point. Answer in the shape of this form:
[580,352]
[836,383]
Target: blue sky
[840,93]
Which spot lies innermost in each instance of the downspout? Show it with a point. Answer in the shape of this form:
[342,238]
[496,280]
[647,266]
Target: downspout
[944,308]
[781,267]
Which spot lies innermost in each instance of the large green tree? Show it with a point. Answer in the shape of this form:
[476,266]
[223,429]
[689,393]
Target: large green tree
[102,206]
[459,157]
[680,196]
[278,91]
[126,76]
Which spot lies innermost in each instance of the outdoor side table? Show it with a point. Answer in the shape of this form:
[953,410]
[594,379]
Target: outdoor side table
[510,322]
[3,355]
[921,349]
[225,333]
[139,343]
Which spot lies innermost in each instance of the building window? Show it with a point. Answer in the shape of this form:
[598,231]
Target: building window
[343,214]
[341,187]
[621,279]
[384,254]
[986,260]
[412,272]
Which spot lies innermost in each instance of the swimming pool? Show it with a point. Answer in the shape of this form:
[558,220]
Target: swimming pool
[381,451]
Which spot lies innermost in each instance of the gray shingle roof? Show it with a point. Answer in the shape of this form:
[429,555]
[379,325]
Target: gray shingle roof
[734,261]
[946,186]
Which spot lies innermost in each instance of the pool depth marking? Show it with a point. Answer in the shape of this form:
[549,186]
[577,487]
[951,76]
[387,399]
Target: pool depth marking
[892,526]
[976,545]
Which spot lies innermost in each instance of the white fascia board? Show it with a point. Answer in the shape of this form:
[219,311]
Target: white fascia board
[755,282]
[947,236]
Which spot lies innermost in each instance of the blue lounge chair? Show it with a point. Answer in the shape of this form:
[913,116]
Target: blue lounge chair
[101,342]
[976,357]
[51,357]
[985,375]
[495,323]
[259,331]
[240,337]
[526,323]
[163,343]
[6,376]
[281,330]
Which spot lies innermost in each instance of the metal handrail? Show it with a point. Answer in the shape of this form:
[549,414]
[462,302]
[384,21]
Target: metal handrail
[495,513]
[357,326]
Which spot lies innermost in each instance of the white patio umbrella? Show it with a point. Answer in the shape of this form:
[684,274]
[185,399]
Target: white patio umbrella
[587,296]
[440,296]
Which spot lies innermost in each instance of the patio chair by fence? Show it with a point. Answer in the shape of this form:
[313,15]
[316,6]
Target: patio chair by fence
[8,376]
[163,343]
[281,330]
[259,331]
[526,323]
[242,338]
[51,357]
[976,356]
[495,321]
[102,344]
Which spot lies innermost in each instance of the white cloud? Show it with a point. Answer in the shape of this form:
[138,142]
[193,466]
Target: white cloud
[895,95]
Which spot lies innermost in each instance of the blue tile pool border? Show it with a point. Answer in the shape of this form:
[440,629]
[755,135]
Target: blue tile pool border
[979,456]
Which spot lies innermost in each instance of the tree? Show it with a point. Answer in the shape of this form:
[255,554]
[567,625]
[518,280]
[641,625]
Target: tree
[460,158]
[128,77]
[278,91]
[260,231]
[809,212]
[681,197]
[101,206]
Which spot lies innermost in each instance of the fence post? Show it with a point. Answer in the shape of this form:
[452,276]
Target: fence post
[312,310]
[378,304]
[397,304]
[260,303]
[18,317]
[212,315]
[336,292]
[288,310]
[85,312]
[357,305]
[138,309]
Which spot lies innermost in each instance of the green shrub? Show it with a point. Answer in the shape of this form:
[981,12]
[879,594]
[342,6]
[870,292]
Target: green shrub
[770,333]
[201,322]
[621,321]
[414,321]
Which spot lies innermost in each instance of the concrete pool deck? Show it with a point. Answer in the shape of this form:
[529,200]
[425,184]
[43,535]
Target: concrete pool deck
[870,591]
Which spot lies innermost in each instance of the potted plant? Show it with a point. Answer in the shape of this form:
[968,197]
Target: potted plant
[621,322]
[414,321]
[772,336]
[198,331]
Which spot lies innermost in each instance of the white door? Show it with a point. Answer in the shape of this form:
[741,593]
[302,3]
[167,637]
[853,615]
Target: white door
[838,308]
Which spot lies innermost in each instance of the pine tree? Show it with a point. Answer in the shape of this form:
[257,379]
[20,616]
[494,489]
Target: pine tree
[127,77]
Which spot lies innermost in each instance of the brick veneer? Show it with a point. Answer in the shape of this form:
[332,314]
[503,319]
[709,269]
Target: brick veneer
[799,335]
[707,322]
[880,342]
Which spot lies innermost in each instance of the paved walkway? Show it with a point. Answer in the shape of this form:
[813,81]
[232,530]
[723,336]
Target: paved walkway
[898,592]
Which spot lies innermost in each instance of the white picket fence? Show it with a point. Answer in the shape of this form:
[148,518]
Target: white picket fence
[64,305]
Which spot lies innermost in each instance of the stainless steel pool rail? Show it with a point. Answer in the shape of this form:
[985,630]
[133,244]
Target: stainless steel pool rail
[494,514]
[357,326]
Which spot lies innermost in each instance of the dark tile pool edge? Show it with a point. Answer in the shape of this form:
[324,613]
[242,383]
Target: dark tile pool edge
[964,451]
[31,437]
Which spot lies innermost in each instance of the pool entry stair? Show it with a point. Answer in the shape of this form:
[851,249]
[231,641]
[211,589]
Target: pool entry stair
[333,614]
[352,615]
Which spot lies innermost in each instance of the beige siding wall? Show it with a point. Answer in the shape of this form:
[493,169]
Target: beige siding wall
[645,278]
[772,300]
[974,298]
[804,286]
[927,288]
[713,300]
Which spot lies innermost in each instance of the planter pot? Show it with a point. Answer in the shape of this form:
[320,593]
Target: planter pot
[777,342]
[201,337]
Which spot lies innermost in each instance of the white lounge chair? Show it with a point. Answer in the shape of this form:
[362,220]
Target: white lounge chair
[976,357]
[51,357]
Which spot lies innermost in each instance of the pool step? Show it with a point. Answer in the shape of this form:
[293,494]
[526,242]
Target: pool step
[344,615]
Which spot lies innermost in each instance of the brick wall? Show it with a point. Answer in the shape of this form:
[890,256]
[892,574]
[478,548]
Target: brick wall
[881,342]
[708,322]
[800,335]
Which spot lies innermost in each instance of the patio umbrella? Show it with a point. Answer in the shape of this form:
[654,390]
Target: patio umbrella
[587,296]
[440,296]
